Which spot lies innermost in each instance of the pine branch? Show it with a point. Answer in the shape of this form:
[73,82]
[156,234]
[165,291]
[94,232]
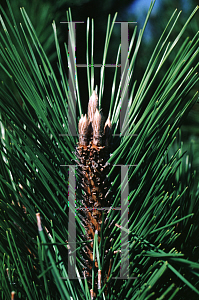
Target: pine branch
[36,147]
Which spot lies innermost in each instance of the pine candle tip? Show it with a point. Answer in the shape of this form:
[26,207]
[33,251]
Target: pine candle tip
[108,123]
[83,128]
[107,131]
[97,127]
[94,93]
[92,106]
[97,114]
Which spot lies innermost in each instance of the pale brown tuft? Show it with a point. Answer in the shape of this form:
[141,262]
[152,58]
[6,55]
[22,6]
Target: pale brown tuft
[83,128]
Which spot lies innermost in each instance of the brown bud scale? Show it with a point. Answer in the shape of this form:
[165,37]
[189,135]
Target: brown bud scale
[92,154]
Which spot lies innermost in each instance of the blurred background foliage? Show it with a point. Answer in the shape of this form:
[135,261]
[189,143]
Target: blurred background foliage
[42,13]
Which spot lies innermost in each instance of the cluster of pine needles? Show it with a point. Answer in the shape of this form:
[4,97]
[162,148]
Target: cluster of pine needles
[38,259]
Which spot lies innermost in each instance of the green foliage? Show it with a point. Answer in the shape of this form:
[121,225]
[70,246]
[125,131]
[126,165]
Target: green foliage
[163,210]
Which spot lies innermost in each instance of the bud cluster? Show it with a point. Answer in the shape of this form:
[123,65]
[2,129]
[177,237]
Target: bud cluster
[92,155]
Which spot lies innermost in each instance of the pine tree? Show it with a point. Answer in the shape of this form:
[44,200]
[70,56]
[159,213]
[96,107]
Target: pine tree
[37,149]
